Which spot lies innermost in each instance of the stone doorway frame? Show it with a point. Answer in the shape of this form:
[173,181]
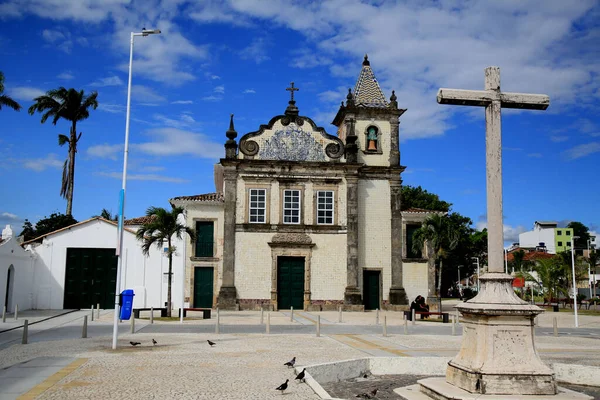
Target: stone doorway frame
[291,245]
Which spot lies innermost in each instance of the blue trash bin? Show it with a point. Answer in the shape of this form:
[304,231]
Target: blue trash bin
[126,304]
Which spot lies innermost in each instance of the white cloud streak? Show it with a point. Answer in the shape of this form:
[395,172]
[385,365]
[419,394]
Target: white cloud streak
[41,164]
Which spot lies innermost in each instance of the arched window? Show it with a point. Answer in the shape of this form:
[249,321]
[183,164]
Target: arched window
[372,139]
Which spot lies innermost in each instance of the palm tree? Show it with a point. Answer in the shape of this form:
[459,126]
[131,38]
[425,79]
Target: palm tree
[552,274]
[437,231]
[162,227]
[519,260]
[73,106]
[6,100]
[593,259]
[107,215]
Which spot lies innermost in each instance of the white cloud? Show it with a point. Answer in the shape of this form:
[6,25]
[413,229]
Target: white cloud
[67,76]
[111,108]
[110,151]
[558,139]
[249,91]
[182,102]
[13,220]
[215,77]
[58,39]
[40,164]
[143,177]
[145,94]
[535,155]
[582,150]
[212,98]
[52,36]
[511,233]
[219,89]
[108,81]
[26,93]
[256,51]
[184,120]
[174,142]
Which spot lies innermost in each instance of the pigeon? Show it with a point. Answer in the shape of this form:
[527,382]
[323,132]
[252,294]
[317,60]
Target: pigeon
[300,376]
[154,342]
[283,386]
[134,343]
[211,343]
[291,362]
[369,395]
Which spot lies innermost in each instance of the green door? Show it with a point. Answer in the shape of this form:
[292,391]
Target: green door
[371,289]
[290,283]
[204,238]
[203,287]
[90,278]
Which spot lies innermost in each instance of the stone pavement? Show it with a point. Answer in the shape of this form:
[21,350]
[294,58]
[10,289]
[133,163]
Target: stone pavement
[246,363]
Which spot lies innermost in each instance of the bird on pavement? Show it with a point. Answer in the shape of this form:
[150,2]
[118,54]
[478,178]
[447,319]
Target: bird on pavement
[154,342]
[134,343]
[291,362]
[300,376]
[283,386]
[369,395]
[211,343]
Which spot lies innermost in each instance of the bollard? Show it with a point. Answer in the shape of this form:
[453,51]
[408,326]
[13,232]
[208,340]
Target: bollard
[25,329]
[16,311]
[84,331]
[3,314]
[268,323]
[377,316]
[92,308]
[555,326]
[152,314]
[217,328]
[413,316]
[291,314]
[262,318]
[453,325]
[318,326]
[405,325]
[340,316]
[98,310]
[385,325]
[132,324]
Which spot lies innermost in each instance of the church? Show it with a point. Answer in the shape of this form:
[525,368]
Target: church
[307,219]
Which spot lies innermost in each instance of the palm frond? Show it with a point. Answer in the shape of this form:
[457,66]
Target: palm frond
[64,187]
[8,102]
[62,139]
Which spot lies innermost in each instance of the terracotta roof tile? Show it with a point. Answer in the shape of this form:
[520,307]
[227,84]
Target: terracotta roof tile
[203,197]
[138,220]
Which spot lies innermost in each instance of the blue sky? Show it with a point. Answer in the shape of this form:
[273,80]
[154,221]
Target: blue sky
[214,58]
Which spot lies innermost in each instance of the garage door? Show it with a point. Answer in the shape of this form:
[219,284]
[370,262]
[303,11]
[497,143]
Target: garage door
[90,278]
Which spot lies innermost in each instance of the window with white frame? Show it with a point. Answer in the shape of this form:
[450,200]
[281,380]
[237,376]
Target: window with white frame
[257,206]
[325,207]
[291,206]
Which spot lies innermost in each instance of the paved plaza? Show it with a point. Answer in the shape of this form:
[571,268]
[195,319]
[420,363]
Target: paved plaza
[245,363]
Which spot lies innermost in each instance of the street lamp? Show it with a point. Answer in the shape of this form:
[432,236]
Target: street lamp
[144,32]
[574,283]
[477,259]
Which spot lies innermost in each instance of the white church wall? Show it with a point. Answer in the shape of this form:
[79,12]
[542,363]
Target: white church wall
[253,264]
[385,145]
[138,271]
[20,262]
[414,279]
[374,229]
[328,267]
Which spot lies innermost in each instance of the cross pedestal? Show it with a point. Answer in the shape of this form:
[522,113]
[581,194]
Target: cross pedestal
[498,355]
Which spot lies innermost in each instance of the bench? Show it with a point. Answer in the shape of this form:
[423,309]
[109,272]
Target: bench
[205,312]
[136,311]
[553,305]
[445,316]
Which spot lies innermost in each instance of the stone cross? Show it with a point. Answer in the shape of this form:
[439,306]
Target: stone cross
[292,89]
[493,100]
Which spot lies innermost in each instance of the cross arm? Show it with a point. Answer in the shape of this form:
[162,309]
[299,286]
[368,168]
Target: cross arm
[485,97]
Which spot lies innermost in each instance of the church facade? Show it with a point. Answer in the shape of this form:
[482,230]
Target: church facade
[305,219]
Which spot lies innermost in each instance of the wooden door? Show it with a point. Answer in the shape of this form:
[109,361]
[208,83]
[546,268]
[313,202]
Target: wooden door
[203,287]
[290,283]
[90,278]
[371,289]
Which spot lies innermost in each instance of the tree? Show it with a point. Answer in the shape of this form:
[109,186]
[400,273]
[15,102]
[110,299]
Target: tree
[162,227]
[439,232]
[552,275]
[5,100]
[593,259]
[46,225]
[518,261]
[73,106]
[107,215]
[417,197]
[582,232]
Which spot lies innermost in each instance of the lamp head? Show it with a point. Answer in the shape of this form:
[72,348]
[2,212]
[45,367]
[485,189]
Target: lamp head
[146,32]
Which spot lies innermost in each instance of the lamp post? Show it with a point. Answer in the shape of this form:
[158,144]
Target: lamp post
[144,32]
[574,282]
[505,261]
[477,259]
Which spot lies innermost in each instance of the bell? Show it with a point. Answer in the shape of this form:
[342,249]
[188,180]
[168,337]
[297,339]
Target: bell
[372,145]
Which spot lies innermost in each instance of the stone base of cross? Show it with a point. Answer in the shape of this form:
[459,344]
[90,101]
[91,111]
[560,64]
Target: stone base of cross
[498,355]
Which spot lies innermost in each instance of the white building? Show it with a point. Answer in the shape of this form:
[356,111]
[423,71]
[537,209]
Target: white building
[542,235]
[75,267]
[16,273]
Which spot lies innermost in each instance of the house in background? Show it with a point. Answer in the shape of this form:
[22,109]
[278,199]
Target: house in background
[546,234]
[16,273]
[75,267]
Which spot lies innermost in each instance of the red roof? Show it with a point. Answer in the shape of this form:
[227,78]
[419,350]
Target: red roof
[202,197]
[533,255]
[138,220]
